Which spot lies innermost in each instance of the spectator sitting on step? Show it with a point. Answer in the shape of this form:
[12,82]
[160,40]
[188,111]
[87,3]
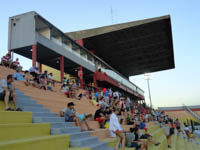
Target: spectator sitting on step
[74,89]
[64,81]
[72,116]
[18,75]
[147,136]
[130,140]
[50,79]
[96,95]
[65,90]
[6,60]
[28,78]
[36,81]
[16,64]
[100,116]
[7,93]
[43,80]
[34,71]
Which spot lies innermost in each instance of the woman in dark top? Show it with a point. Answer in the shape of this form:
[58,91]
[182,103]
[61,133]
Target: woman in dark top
[143,144]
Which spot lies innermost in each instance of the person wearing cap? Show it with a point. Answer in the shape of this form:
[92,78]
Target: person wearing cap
[116,128]
[7,93]
[100,116]
[72,116]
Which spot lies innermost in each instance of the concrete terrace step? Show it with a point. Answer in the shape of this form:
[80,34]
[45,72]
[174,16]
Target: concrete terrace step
[15,117]
[24,130]
[35,109]
[53,142]
[100,133]
[78,135]
[22,105]
[100,146]
[65,130]
[83,142]
[26,101]
[61,124]
[20,96]
[44,114]
[48,119]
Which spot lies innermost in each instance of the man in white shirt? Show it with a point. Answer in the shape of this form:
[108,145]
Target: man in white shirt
[116,95]
[116,128]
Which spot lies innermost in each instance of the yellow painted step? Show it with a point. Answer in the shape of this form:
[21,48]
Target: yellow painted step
[7,117]
[53,142]
[153,128]
[79,148]
[27,130]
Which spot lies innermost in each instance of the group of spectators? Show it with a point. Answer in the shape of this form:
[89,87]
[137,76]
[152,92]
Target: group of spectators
[29,77]
[35,78]
[7,62]
[69,87]
[111,104]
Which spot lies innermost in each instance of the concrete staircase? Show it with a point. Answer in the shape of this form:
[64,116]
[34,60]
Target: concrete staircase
[58,125]
[17,132]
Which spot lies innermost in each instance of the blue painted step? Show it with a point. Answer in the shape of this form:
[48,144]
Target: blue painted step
[61,124]
[48,119]
[66,130]
[35,109]
[83,142]
[43,114]
[22,105]
[26,101]
[78,135]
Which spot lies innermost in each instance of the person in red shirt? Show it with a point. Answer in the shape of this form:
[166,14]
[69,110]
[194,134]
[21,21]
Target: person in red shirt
[6,60]
[16,64]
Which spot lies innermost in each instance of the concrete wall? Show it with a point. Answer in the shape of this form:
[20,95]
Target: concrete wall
[21,30]
[56,73]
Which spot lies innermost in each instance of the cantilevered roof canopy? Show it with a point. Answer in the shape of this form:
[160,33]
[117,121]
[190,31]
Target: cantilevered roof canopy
[132,48]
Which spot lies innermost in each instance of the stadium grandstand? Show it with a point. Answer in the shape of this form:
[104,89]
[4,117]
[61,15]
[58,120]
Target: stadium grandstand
[77,94]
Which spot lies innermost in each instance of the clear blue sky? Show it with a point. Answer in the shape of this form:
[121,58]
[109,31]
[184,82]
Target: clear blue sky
[168,88]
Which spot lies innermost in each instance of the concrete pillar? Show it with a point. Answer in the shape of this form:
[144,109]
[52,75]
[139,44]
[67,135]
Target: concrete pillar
[61,67]
[34,55]
[40,67]
[80,42]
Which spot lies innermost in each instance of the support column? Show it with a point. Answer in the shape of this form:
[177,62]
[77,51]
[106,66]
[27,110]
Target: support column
[80,75]
[80,42]
[34,55]
[40,67]
[61,67]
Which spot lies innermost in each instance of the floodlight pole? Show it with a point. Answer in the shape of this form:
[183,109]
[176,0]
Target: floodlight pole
[149,93]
